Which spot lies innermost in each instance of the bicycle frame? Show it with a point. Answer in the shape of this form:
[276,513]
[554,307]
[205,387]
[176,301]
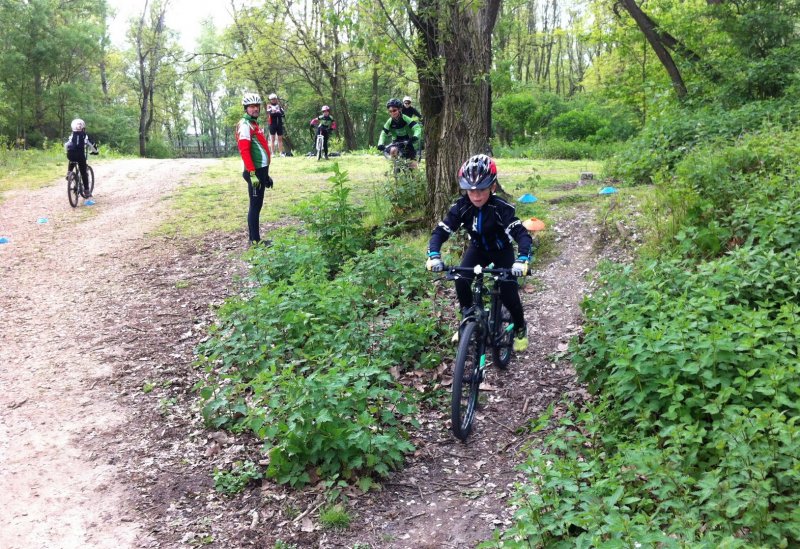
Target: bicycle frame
[487,319]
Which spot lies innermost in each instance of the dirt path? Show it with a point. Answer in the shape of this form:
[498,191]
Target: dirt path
[101,444]
[57,490]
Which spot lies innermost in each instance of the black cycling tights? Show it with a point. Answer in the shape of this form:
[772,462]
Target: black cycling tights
[256,194]
[82,168]
[509,290]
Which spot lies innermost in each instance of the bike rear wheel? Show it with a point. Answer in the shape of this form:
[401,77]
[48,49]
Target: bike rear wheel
[503,339]
[72,189]
[320,147]
[88,186]
[467,374]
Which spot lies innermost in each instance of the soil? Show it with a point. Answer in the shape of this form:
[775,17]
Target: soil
[101,441]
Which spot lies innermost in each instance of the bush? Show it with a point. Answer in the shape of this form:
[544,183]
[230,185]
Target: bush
[575,125]
[303,362]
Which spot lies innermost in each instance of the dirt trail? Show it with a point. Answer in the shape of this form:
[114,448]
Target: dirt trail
[57,276]
[90,459]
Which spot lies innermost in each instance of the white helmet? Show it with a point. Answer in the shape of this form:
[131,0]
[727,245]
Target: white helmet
[273,96]
[406,98]
[78,125]
[251,99]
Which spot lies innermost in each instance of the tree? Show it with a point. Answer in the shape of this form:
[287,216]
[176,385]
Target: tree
[453,56]
[149,36]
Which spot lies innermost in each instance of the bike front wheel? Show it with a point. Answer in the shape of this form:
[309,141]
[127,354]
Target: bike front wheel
[467,374]
[72,189]
[503,339]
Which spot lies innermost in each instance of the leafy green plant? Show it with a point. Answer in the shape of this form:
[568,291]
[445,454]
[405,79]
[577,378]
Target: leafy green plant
[335,221]
[234,481]
[335,517]
[303,362]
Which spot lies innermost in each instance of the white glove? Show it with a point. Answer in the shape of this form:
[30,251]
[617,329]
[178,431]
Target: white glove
[520,266]
[434,263]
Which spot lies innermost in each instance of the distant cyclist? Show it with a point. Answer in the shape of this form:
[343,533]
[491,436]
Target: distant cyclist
[400,132]
[324,124]
[276,130]
[409,110]
[76,147]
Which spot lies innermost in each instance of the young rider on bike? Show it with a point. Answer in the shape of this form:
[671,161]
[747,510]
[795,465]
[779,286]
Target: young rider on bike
[399,129]
[76,152]
[493,227]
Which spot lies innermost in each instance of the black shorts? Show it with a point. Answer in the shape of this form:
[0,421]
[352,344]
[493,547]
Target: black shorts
[276,129]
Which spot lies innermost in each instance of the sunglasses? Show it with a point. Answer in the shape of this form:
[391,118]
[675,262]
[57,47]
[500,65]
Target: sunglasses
[393,110]
[406,102]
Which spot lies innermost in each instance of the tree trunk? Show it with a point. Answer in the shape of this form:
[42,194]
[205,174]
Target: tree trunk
[454,90]
[650,32]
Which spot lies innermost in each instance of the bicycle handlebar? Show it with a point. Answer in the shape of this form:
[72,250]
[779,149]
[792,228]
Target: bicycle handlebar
[501,272]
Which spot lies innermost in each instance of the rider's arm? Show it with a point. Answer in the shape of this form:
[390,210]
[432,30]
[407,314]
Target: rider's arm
[447,226]
[517,231]
[386,136]
[243,138]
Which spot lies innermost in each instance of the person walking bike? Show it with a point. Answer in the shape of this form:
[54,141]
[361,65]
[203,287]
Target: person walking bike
[493,228]
[75,148]
[256,158]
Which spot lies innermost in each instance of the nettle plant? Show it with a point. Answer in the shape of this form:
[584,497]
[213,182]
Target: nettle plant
[302,361]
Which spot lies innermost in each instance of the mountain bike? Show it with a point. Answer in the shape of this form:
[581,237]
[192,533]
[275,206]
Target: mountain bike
[320,144]
[76,186]
[401,161]
[480,329]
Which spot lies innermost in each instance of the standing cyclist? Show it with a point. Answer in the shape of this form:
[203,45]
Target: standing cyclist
[76,152]
[276,130]
[493,227]
[399,130]
[255,156]
[409,110]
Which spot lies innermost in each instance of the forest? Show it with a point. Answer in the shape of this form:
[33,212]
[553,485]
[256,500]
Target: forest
[690,351]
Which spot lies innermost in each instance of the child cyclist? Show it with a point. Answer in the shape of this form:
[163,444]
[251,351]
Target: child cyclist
[492,226]
[76,147]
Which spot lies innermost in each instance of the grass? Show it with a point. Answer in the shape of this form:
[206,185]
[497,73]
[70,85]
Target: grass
[35,168]
[217,201]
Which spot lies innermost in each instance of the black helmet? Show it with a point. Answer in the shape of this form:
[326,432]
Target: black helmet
[479,172]
[394,102]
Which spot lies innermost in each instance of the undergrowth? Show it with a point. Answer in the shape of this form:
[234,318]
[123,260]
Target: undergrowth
[692,436]
[303,359]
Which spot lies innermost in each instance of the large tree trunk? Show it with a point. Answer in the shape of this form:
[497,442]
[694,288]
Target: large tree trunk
[453,70]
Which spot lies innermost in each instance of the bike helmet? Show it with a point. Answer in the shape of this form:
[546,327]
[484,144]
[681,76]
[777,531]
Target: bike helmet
[273,96]
[325,108]
[78,125]
[479,172]
[407,99]
[393,102]
[251,99]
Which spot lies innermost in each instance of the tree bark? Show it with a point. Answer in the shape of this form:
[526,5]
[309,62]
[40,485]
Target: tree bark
[453,63]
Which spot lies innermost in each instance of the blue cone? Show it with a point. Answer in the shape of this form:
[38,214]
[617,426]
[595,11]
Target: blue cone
[4,240]
[41,220]
[527,199]
[89,203]
[607,190]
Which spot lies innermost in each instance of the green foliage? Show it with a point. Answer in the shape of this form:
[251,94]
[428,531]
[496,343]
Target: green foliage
[336,222]
[335,517]
[667,140]
[693,437]
[575,125]
[520,116]
[556,148]
[234,481]
[303,361]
